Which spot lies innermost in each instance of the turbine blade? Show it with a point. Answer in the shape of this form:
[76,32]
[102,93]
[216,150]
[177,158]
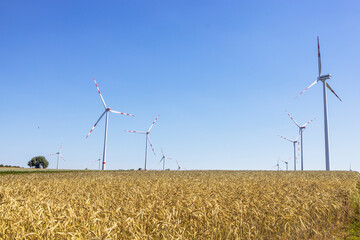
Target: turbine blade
[328,86]
[309,122]
[153,123]
[62,157]
[293,119]
[135,131]
[127,114]
[95,124]
[307,88]
[52,154]
[162,151]
[102,99]
[169,158]
[319,58]
[60,147]
[285,138]
[161,160]
[151,145]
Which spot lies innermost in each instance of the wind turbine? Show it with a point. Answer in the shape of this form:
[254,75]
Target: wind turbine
[107,110]
[58,156]
[323,79]
[178,165]
[277,165]
[286,164]
[301,129]
[294,143]
[164,158]
[147,139]
[99,160]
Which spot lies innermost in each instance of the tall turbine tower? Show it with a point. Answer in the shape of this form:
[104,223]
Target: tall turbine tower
[286,164]
[177,163]
[107,110]
[164,158]
[99,160]
[147,139]
[277,165]
[294,142]
[301,129]
[58,156]
[323,79]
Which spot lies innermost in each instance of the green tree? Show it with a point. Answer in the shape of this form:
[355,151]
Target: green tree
[38,162]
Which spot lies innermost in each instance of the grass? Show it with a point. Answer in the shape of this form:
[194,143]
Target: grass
[177,205]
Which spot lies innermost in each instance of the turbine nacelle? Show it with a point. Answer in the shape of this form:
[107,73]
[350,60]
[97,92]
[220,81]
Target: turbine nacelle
[324,77]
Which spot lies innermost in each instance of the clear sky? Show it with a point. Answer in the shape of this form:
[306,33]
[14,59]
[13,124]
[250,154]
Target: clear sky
[220,74]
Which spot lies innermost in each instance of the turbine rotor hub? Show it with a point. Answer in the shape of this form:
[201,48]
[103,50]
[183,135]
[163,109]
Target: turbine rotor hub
[324,77]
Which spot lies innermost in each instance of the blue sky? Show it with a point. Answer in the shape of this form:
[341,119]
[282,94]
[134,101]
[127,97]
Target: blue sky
[220,74]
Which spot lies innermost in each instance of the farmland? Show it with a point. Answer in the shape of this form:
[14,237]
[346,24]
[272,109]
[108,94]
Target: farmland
[176,205]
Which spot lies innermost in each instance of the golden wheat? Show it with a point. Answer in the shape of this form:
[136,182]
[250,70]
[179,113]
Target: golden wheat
[176,205]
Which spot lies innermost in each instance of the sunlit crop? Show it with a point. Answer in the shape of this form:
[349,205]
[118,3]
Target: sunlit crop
[175,205]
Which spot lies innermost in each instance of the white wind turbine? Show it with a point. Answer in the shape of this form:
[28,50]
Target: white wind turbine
[294,144]
[323,79]
[177,163]
[301,129]
[164,158]
[147,139]
[286,163]
[99,160]
[277,165]
[58,156]
[107,110]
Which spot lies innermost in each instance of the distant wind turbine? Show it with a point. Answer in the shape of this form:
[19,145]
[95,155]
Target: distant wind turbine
[164,158]
[277,165]
[99,160]
[301,129]
[323,79]
[107,110]
[178,165]
[58,156]
[286,164]
[294,142]
[147,139]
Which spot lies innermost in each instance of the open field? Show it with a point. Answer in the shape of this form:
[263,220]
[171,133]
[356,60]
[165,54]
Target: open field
[16,169]
[6,170]
[176,205]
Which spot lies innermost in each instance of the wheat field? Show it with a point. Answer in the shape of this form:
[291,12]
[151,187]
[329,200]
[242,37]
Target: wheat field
[176,205]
